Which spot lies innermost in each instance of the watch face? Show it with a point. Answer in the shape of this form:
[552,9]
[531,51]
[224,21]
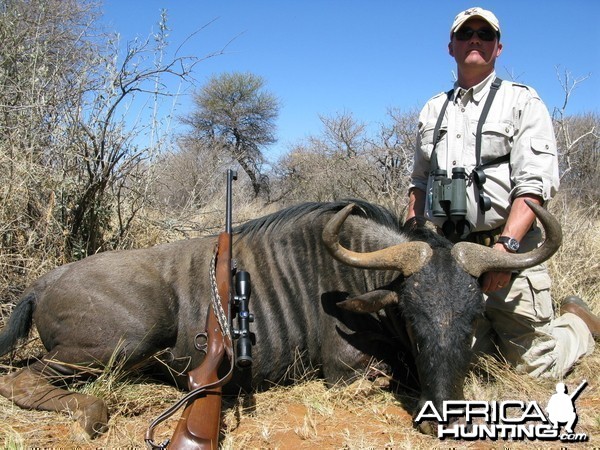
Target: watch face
[510,243]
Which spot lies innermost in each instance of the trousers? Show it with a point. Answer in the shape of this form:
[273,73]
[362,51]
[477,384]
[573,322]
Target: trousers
[520,322]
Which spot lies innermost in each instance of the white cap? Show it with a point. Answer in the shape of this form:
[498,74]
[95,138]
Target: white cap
[470,13]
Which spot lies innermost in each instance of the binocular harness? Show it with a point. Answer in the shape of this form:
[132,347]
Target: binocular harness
[448,197]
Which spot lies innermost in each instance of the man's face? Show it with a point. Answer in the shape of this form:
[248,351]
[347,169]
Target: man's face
[474,53]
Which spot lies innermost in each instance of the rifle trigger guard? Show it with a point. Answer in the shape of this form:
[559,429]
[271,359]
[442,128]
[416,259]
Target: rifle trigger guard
[161,446]
[201,342]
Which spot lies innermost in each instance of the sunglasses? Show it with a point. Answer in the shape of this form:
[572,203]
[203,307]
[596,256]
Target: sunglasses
[485,34]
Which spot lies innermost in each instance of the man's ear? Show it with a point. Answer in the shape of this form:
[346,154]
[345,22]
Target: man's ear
[450,50]
[499,50]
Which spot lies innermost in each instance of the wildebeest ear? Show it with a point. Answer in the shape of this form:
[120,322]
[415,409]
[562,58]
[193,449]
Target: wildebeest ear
[370,302]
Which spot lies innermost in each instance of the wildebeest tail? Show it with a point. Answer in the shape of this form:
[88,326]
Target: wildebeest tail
[18,325]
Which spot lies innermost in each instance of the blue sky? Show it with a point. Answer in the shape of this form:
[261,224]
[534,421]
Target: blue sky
[327,57]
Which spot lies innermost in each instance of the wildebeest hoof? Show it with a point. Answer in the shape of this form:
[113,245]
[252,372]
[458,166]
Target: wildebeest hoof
[93,418]
[429,427]
[382,382]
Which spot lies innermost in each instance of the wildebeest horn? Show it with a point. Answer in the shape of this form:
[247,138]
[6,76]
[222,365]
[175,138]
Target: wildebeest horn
[477,259]
[408,257]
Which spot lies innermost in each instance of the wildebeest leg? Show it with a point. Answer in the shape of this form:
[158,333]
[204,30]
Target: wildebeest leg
[353,342]
[355,355]
[29,388]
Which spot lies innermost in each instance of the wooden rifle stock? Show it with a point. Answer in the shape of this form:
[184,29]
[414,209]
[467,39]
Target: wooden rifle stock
[199,425]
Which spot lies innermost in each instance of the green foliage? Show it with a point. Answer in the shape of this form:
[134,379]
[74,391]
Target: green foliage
[234,113]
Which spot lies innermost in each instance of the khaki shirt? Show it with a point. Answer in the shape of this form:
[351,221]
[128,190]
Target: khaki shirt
[517,123]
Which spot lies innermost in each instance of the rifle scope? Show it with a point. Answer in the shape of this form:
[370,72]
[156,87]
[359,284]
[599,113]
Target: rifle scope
[245,338]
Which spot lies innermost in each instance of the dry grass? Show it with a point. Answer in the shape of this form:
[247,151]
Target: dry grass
[575,268]
[308,414]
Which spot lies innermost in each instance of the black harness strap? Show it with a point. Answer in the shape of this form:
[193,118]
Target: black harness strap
[436,130]
[486,109]
[494,88]
[498,160]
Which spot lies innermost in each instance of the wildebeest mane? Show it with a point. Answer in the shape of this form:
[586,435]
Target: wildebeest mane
[309,211]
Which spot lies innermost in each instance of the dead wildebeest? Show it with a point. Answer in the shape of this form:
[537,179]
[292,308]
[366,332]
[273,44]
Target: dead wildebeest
[407,298]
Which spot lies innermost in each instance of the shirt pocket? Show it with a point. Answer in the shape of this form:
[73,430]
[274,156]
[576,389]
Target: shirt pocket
[543,146]
[544,153]
[426,134]
[496,140]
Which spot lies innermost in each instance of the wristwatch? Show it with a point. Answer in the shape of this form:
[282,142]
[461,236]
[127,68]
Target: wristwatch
[510,243]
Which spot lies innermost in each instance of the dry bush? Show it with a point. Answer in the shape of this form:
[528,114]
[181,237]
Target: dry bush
[575,268]
[348,161]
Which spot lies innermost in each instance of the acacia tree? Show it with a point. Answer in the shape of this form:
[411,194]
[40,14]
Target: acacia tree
[235,113]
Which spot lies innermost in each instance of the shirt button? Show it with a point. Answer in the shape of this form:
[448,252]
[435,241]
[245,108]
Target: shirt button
[453,163]
[458,136]
[462,109]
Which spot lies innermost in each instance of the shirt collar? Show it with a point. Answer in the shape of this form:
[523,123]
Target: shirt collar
[478,91]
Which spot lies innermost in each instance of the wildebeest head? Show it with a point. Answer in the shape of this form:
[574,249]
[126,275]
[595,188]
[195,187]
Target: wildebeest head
[438,295]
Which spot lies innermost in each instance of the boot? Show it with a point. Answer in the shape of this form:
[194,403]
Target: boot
[577,306]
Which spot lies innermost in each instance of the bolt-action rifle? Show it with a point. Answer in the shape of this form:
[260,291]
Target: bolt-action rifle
[199,425]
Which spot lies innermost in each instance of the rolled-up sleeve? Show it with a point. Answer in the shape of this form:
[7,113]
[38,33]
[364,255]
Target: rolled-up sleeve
[534,161]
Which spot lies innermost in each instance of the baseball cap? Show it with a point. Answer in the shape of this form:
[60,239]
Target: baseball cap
[470,13]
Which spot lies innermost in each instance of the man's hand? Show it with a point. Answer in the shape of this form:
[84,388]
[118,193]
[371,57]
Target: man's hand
[495,281]
[520,220]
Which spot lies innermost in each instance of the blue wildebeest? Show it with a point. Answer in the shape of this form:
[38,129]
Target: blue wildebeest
[406,298]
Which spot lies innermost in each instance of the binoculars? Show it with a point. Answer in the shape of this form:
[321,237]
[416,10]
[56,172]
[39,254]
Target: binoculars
[449,196]
[449,199]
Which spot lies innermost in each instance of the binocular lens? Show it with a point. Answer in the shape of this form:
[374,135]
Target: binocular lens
[448,228]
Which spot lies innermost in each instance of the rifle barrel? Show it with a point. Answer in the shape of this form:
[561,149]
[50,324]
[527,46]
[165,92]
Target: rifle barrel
[231,175]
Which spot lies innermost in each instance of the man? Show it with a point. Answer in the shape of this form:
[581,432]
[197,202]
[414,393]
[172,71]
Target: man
[498,137]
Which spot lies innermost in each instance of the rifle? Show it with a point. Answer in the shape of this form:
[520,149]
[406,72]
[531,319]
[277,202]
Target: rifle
[199,425]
